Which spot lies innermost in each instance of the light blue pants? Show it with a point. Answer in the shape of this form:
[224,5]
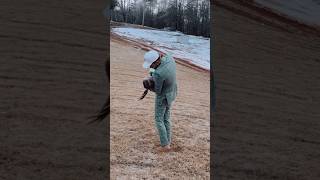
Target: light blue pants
[162,120]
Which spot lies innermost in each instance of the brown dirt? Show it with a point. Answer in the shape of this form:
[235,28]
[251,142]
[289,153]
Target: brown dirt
[266,124]
[267,16]
[134,139]
[51,79]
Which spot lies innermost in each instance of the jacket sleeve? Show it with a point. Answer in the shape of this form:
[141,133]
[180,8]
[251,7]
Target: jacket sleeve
[158,83]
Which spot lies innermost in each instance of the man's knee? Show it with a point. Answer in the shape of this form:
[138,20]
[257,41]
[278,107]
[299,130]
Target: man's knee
[159,119]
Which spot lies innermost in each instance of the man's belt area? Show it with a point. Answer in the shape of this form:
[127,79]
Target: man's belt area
[148,84]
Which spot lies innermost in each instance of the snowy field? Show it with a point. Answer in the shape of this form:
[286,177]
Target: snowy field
[306,11]
[196,49]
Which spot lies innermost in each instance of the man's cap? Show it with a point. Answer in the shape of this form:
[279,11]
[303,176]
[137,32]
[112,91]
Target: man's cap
[149,58]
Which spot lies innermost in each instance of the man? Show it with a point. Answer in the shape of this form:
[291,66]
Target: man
[163,70]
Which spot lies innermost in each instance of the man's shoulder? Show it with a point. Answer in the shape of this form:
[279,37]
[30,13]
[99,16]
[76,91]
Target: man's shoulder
[166,63]
[163,68]
[167,58]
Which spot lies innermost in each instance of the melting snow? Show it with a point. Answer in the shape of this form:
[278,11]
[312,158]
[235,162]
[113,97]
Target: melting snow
[196,49]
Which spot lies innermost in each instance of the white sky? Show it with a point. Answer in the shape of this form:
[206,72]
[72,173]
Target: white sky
[158,1]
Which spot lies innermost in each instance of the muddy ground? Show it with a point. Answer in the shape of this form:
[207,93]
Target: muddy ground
[51,79]
[134,140]
[267,118]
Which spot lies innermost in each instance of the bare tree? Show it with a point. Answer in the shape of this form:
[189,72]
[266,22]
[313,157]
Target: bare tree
[144,11]
[187,16]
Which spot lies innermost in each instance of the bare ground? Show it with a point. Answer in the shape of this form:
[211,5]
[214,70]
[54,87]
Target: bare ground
[51,79]
[134,138]
[266,125]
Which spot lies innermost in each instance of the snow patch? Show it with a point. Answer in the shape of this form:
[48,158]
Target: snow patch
[193,48]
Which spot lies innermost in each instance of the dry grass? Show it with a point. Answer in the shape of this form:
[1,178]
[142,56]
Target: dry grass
[134,139]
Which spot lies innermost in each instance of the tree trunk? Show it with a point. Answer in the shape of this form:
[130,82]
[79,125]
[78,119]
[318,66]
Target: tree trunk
[144,12]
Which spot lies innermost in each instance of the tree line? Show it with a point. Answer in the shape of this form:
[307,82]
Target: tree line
[187,16]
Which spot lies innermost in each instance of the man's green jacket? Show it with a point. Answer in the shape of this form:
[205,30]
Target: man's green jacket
[165,80]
